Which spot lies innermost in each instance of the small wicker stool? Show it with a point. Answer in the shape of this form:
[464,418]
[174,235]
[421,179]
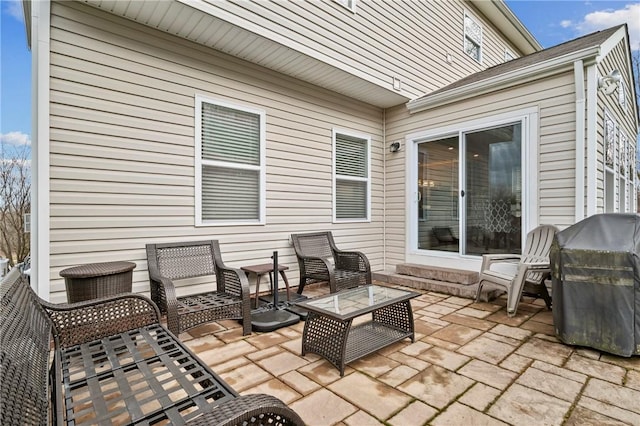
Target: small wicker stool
[94,280]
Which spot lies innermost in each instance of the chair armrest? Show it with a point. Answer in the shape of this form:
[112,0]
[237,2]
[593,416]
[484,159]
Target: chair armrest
[351,261]
[81,322]
[163,294]
[233,281]
[489,259]
[242,409]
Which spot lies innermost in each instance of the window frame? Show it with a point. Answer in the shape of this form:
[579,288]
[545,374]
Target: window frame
[336,177]
[348,4]
[466,15]
[199,163]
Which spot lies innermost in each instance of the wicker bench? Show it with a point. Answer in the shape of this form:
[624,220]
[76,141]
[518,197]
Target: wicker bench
[169,262]
[320,260]
[113,363]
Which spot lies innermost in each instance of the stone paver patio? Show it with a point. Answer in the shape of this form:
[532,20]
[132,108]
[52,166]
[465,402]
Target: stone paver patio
[470,365]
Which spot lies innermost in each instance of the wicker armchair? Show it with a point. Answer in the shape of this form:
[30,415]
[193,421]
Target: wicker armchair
[320,260]
[173,261]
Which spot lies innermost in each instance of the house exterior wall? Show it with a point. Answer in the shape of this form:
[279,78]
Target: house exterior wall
[553,98]
[623,117]
[122,148]
[373,41]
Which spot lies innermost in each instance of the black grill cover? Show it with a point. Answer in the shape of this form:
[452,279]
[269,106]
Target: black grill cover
[595,269]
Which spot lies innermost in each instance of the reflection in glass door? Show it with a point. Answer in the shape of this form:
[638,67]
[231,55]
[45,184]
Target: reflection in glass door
[490,220]
[438,186]
[493,193]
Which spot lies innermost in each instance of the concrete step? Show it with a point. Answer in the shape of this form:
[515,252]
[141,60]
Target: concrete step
[467,291]
[448,275]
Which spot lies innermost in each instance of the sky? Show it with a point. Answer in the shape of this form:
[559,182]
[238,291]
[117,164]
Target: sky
[550,22]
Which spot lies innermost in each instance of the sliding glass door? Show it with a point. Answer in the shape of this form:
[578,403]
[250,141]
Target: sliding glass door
[475,208]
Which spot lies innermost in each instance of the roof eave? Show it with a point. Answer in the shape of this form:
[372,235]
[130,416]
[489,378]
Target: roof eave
[503,81]
[507,22]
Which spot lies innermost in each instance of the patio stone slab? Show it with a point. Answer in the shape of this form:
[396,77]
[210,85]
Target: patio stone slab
[281,363]
[479,396]
[398,375]
[226,352]
[609,410]
[486,350]
[264,353]
[633,379]
[589,353]
[631,363]
[374,365]
[441,343]
[460,301]
[613,394]
[488,374]
[516,363]
[266,340]
[520,405]
[415,349]
[362,418]
[375,398]
[538,327]
[599,369]
[467,321]
[553,353]
[204,343]
[322,408]
[444,358]
[425,328]
[299,383]
[245,377]
[512,332]
[230,365]
[503,339]
[550,383]
[457,334]
[436,386]
[415,414]
[473,312]
[559,371]
[323,372]
[458,414]
[276,388]
[409,361]
[584,417]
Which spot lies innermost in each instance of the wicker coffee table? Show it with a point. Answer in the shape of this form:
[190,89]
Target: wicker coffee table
[328,331]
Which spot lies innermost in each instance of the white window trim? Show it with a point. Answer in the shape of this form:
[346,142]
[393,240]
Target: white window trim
[348,4]
[199,162]
[336,131]
[464,37]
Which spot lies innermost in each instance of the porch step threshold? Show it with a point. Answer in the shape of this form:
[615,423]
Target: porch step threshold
[467,291]
[449,275]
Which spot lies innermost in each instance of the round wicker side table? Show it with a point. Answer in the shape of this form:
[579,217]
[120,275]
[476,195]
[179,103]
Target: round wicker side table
[94,280]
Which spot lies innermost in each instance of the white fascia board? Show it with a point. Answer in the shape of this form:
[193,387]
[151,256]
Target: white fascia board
[502,17]
[611,43]
[262,31]
[503,81]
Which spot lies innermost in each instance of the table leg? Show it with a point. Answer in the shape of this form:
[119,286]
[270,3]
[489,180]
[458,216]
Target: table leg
[258,278]
[326,337]
[399,315]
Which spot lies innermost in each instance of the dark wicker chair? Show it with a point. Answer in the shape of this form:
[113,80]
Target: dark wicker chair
[320,260]
[174,261]
[113,363]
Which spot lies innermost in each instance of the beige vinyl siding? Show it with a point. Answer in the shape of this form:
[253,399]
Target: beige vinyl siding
[122,148]
[624,118]
[555,100]
[405,39]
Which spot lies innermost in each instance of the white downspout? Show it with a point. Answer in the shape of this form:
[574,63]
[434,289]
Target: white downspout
[384,189]
[40,63]
[592,140]
[578,72]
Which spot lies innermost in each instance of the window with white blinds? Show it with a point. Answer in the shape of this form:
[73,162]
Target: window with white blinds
[352,177]
[230,174]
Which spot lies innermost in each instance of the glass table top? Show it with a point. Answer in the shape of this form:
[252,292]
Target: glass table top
[351,303]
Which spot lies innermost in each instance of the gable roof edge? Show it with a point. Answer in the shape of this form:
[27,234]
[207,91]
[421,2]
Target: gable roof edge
[518,76]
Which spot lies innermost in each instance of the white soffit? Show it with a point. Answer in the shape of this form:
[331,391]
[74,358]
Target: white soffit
[191,23]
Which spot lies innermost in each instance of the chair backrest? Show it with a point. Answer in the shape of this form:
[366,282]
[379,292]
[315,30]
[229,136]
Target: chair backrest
[25,336]
[538,243]
[317,244]
[537,248]
[443,234]
[183,259]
